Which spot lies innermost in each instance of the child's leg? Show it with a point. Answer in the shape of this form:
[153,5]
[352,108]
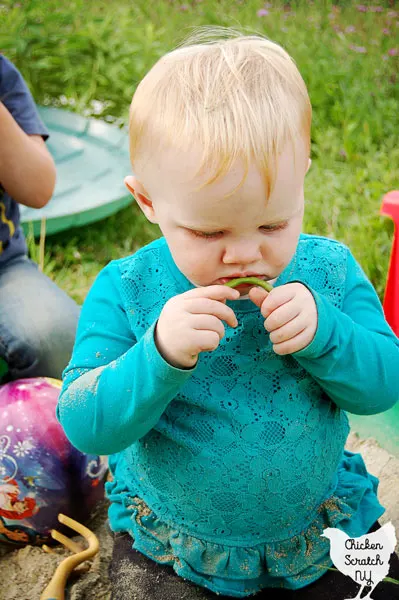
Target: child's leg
[37,321]
[133,576]
[335,585]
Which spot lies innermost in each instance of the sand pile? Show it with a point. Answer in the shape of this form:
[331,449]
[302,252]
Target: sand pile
[24,573]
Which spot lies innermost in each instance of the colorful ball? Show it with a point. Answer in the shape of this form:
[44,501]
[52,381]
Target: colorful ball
[41,473]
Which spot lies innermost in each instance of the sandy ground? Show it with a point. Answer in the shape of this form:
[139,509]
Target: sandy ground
[24,573]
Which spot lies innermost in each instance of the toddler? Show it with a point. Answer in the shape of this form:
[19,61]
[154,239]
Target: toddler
[224,410]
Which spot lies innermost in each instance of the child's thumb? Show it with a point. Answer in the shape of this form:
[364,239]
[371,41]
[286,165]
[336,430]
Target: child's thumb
[257,295]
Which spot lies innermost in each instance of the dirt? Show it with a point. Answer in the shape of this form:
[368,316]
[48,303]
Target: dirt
[25,572]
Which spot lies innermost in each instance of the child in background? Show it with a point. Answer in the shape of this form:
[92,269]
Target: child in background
[37,319]
[224,410]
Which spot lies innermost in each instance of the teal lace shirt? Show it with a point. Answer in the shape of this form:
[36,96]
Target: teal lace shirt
[231,470]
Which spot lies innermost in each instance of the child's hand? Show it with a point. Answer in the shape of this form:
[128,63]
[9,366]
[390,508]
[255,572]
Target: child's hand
[291,316]
[191,323]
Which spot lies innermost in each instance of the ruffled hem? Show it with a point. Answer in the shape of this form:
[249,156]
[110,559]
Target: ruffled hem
[241,571]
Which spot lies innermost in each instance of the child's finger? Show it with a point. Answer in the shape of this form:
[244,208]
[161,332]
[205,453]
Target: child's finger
[207,306]
[293,345]
[288,331]
[214,292]
[282,315]
[277,297]
[257,295]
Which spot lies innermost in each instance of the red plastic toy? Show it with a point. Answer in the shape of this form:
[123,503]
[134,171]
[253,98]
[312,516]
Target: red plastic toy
[390,208]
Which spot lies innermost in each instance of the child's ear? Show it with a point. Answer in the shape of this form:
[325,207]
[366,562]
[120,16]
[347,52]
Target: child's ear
[141,196]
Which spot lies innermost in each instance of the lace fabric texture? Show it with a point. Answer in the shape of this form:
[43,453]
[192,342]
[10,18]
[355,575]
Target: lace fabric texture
[251,443]
[246,466]
[237,570]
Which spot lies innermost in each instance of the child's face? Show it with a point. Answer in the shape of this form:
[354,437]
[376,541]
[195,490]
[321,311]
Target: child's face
[211,237]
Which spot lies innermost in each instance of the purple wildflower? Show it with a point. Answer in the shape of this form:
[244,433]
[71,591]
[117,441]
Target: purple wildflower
[350,29]
[393,52]
[376,9]
[359,49]
[184,7]
[361,8]
[386,31]
[263,12]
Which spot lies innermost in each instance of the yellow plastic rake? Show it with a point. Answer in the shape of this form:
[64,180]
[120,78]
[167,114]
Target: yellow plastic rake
[56,588]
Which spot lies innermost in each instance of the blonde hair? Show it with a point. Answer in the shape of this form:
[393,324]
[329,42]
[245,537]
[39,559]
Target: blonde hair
[239,96]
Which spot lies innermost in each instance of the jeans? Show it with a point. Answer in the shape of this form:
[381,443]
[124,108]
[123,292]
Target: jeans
[37,322]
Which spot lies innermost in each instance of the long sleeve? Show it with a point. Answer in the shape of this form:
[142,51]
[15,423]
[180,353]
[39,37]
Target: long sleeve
[115,387]
[354,355]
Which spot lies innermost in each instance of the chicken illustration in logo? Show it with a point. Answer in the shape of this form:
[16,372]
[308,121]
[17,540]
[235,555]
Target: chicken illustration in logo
[365,559]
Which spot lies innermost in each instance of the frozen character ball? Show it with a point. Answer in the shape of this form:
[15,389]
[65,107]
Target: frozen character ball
[41,473]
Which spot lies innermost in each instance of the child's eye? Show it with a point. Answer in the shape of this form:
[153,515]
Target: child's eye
[202,234]
[274,227]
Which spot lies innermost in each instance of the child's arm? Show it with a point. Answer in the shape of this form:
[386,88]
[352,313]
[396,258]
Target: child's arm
[115,387]
[27,170]
[354,355]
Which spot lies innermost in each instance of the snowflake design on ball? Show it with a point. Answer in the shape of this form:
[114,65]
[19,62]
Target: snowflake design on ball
[23,448]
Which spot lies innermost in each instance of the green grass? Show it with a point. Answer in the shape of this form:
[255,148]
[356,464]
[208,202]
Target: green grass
[88,56]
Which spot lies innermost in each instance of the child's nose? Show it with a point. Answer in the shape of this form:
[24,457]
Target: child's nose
[245,252]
